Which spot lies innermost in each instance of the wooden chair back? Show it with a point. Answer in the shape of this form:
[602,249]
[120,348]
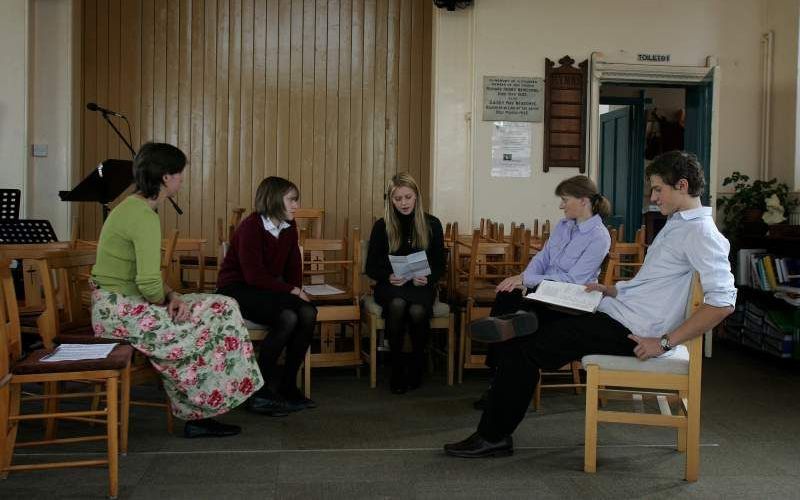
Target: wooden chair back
[337,262]
[309,222]
[10,343]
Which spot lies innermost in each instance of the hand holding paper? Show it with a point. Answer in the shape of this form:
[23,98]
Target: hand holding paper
[411,265]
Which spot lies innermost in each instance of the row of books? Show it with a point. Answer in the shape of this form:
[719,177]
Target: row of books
[776,332]
[759,269]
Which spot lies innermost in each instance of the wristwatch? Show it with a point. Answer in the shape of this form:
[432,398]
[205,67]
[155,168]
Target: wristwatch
[664,342]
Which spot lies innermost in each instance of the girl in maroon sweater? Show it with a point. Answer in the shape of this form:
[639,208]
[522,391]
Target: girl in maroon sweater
[263,272]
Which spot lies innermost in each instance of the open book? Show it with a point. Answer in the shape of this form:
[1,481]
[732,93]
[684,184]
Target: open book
[409,266]
[567,295]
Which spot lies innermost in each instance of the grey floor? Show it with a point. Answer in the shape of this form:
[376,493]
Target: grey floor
[363,443]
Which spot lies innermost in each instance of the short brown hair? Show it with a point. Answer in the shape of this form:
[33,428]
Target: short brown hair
[581,186]
[673,166]
[269,197]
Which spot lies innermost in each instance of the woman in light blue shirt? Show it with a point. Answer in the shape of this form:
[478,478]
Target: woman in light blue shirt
[573,253]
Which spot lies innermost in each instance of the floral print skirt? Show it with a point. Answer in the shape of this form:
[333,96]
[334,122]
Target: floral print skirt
[206,363]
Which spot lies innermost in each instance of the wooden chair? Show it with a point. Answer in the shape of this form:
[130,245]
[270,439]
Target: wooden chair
[678,376]
[338,263]
[443,319]
[309,223]
[474,288]
[15,371]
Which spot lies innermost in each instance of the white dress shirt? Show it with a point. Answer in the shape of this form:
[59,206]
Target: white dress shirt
[653,303]
[270,227]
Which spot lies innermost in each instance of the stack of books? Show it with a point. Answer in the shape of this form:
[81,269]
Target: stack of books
[761,270]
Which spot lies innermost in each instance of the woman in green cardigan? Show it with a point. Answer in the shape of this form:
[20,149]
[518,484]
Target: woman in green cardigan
[197,342]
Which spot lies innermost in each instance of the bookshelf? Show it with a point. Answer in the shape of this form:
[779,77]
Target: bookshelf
[762,321]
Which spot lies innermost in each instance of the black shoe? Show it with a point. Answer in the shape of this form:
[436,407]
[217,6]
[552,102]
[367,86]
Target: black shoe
[208,427]
[477,447]
[296,399]
[269,405]
[502,328]
[483,402]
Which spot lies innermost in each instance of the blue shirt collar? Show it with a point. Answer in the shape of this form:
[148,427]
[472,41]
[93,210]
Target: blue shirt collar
[694,213]
[589,224]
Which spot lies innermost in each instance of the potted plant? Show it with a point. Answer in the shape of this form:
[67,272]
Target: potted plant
[753,205]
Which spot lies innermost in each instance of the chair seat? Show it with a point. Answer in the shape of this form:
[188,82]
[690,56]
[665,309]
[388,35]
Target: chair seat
[85,336]
[676,363]
[192,260]
[250,325]
[440,309]
[32,364]
[483,294]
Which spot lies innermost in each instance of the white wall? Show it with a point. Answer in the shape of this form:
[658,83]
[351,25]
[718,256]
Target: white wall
[782,18]
[13,95]
[51,116]
[513,37]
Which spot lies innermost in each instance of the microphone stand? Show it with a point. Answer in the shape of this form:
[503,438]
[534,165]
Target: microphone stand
[133,153]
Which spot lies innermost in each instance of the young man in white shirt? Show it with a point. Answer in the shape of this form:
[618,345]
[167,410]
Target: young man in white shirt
[643,317]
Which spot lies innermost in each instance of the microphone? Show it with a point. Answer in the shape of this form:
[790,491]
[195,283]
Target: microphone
[94,107]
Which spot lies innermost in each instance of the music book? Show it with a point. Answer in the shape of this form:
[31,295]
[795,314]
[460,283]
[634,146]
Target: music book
[567,295]
[77,352]
[413,265]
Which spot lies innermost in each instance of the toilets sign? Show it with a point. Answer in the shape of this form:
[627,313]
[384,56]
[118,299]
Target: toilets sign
[653,58]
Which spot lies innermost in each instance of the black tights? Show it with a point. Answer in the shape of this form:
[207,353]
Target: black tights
[399,315]
[293,330]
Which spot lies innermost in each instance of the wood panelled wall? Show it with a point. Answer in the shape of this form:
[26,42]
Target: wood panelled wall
[331,94]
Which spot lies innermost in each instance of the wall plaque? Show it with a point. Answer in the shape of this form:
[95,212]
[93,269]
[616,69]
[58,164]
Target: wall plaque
[512,99]
[565,114]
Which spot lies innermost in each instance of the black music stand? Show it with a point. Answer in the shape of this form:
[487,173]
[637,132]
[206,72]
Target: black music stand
[9,204]
[26,231]
[106,182]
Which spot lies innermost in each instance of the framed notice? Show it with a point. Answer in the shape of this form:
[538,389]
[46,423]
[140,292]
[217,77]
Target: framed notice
[512,99]
[565,114]
[511,149]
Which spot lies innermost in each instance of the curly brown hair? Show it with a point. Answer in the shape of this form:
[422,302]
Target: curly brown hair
[673,166]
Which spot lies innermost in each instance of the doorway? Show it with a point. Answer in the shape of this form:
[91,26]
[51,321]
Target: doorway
[637,122]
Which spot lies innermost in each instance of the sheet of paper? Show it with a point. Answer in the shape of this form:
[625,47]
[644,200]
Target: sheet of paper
[324,289]
[410,266]
[567,295]
[76,352]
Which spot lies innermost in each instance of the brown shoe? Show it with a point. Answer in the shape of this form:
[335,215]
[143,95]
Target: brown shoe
[502,328]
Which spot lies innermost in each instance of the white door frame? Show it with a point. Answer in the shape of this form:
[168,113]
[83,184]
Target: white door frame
[602,70]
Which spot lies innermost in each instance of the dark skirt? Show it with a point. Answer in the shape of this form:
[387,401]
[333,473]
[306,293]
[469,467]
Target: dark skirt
[422,295]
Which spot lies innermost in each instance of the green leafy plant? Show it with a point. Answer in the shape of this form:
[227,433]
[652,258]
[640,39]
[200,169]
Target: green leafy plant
[750,196]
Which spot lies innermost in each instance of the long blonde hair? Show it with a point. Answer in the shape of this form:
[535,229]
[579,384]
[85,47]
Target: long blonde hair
[421,230]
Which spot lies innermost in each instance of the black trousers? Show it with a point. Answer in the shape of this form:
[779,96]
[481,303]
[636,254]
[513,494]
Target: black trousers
[511,302]
[291,321]
[561,338]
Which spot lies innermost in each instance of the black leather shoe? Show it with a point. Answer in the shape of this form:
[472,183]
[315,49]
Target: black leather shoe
[270,406]
[296,399]
[477,447]
[483,402]
[502,328]
[208,427]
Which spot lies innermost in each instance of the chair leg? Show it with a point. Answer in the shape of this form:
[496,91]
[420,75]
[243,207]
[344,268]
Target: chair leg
[576,375]
[693,436]
[462,355]
[357,345]
[113,435]
[373,355]
[590,432]
[681,434]
[451,348]
[7,429]
[125,408]
[307,374]
[51,406]
[537,393]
